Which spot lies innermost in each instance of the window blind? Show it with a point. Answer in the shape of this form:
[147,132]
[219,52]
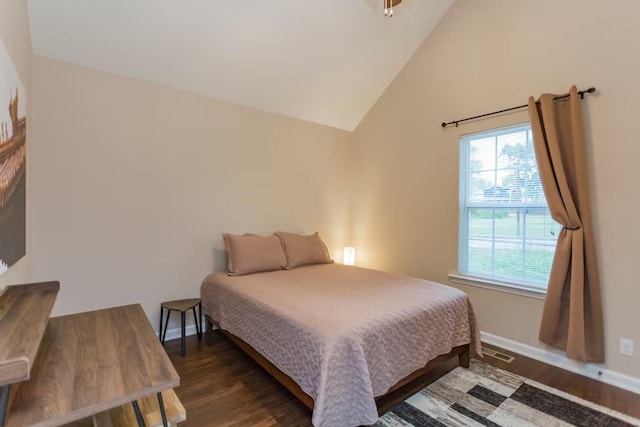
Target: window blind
[506,230]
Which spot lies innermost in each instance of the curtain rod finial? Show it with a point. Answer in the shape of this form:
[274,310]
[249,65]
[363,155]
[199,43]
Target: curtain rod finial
[444,125]
[590,90]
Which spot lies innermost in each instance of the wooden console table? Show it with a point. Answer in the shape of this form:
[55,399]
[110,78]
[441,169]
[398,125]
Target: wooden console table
[89,363]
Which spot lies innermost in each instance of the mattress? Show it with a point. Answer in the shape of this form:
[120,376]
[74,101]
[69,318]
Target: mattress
[344,334]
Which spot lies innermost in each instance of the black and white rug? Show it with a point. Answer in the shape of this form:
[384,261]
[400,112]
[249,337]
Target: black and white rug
[487,396]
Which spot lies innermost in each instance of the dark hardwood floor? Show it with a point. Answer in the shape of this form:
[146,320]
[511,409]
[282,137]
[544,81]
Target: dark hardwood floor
[221,386]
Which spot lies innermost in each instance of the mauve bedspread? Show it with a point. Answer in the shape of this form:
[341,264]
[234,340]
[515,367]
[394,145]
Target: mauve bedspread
[344,334]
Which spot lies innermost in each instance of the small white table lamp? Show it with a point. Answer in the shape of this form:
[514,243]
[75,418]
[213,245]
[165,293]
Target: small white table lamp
[349,256]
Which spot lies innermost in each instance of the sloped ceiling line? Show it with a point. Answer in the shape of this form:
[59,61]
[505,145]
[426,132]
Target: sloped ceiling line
[325,61]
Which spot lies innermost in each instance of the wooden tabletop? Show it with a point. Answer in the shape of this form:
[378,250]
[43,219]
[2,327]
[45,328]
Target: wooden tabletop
[24,313]
[91,362]
[181,304]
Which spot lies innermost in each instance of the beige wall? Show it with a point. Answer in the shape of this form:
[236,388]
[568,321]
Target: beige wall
[133,185]
[14,34]
[485,56]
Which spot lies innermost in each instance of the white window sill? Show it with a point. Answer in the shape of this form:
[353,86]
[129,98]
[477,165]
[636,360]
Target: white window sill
[498,286]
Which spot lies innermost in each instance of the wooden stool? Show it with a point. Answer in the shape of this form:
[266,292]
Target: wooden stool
[181,305]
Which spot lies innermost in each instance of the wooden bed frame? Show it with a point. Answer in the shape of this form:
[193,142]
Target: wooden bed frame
[409,384]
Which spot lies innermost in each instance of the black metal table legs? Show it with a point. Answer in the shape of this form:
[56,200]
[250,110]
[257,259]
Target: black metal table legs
[162,411]
[4,401]
[140,418]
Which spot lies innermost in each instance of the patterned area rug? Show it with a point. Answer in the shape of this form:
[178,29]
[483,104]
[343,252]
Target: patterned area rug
[487,396]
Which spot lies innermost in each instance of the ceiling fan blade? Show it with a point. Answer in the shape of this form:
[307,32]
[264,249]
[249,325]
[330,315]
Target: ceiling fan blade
[394,3]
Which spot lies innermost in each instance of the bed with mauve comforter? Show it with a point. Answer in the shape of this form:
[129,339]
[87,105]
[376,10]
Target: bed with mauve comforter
[344,334]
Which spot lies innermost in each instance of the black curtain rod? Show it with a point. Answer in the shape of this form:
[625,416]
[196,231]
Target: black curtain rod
[456,122]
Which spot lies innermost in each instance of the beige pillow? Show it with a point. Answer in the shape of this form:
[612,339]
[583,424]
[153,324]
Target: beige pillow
[250,253]
[303,250]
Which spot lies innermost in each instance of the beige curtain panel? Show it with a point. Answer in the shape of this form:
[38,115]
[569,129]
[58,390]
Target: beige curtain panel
[572,318]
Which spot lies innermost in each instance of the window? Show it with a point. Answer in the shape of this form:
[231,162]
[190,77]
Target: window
[507,234]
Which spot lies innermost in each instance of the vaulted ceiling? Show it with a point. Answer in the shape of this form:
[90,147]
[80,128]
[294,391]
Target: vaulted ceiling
[325,61]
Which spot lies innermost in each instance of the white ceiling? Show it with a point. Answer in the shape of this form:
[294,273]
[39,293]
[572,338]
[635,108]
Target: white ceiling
[326,61]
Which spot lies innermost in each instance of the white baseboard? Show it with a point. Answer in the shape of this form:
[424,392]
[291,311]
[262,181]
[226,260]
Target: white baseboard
[591,370]
[175,333]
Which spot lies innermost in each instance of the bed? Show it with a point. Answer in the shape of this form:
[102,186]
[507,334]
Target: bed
[341,337]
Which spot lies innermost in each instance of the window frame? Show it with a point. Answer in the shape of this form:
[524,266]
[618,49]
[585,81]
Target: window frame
[464,276]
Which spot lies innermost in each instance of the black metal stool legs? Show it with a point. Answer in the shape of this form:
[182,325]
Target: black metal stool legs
[183,339]
[195,318]
[160,330]
[200,320]
[166,322]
